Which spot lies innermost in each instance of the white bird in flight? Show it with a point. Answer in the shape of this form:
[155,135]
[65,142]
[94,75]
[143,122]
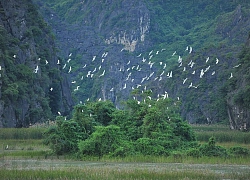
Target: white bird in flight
[69,69]
[36,70]
[174,53]
[231,76]
[190,50]
[102,73]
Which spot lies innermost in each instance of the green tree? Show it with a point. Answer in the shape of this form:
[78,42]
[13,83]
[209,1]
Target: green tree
[63,137]
[105,140]
[102,111]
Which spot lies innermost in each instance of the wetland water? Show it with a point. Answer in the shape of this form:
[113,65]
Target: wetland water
[27,164]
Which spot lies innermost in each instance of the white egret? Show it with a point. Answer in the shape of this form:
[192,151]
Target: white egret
[69,69]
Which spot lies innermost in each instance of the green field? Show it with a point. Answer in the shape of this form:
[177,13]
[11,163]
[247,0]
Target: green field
[24,157]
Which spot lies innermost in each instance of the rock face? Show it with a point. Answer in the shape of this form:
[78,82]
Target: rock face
[120,49]
[238,108]
[29,68]
[106,40]
[110,40]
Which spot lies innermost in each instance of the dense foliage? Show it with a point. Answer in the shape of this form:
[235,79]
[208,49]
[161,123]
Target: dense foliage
[210,149]
[152,127]
[97,128]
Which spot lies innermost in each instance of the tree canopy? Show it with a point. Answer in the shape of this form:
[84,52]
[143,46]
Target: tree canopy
[151,127]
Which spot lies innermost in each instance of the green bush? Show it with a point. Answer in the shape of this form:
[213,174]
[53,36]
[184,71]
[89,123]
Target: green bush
[239,151]
[194,152]
[104,141]
[210,149]
[64,137]
[147,146]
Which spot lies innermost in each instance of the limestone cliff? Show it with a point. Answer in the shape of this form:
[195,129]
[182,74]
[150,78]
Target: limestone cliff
[238,107]
[31,81]
[124,47]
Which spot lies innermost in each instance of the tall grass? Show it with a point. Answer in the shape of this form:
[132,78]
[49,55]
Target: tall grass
[225,136]
[179,158]
[221,133]
[116,174]
[21,133]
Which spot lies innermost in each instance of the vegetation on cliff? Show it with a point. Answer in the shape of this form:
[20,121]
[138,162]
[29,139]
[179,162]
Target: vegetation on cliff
[30,78]
[213,29]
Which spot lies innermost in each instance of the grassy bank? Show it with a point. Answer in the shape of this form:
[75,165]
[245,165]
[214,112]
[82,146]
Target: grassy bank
[222,134]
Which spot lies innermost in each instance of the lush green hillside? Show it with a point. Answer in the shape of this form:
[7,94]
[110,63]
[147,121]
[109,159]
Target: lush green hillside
[131,30]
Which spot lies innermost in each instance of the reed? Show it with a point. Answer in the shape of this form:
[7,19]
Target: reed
[21,133]
[116,174]
[221,133]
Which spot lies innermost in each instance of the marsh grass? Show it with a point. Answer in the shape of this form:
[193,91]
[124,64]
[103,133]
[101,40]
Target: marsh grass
[21,133]
[222,134]
[26,154]
[115,174]
[27,144]
[181,158]
[225,136]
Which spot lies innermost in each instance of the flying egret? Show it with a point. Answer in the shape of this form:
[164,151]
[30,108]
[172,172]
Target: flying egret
[125,86]
[69,69]
[190,50]
[202,73]
[36,70]
[174,53]
[231,76]
[237,66]
[217,60]
[207,69]
[139,55]
[162,73]
[64,66]
[102,73]
[207,59]
[184,80]
[150,52]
